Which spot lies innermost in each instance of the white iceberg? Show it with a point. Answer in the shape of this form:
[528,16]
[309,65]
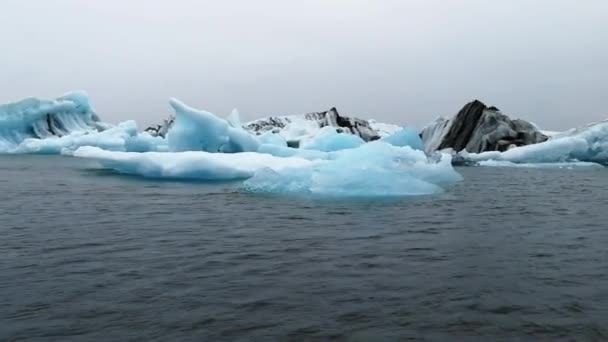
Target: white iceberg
[586,144]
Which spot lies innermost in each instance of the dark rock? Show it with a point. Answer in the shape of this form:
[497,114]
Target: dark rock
[478,128]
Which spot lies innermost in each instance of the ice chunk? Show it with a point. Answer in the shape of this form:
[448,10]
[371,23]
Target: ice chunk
[197,130]
[123,137]
[383,129]
[406,136]
[234,119]
[284,151]
[35,118]
[432,135]
[329,139]
[195,165]
[376,169]
[587,144]
[565,165]
[271,138]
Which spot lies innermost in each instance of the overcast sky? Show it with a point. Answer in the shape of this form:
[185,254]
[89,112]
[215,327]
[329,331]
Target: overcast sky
[402,61]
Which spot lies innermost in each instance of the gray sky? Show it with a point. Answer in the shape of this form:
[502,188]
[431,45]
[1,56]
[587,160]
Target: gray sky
[394,60]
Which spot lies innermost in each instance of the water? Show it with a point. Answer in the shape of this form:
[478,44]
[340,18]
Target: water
[508,254]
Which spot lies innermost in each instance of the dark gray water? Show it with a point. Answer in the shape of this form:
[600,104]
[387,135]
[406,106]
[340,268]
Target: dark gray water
[508,254]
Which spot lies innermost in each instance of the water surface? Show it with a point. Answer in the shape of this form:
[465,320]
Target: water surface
[506,254]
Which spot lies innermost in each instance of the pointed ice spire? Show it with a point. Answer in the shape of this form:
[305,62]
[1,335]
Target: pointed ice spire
[234,119]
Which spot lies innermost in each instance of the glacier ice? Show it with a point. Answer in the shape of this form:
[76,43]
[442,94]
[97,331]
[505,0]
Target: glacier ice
[193,165]
[405,136]
[383,129]
[123,137]
[336,156]
[586,144]
[296,127]
[371,170]
[559,165]
[328,139]
[376,169]
[284,151]
[35,118]
[271,138]
[197,130]
[40,126]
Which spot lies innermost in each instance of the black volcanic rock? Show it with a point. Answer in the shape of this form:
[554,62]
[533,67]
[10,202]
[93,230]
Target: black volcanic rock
[478,128]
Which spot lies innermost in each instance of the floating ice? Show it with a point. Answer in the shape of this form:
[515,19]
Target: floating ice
[197,130]
[271,138]
[383,129]
[565,165]
[376,169]
[194,165]
[284,151]
[123,137]
[406,136]
[35,118]
[329,139]
[586,144]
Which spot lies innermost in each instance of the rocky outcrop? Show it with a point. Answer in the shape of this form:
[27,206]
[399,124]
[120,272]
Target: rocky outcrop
[478,128]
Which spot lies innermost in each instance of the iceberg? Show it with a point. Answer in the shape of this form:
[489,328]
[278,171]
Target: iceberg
[190,165]
[478,128]
[586,144]
[299,128]
[39,126]
[329,139]
[564,165]
[197,130]
[405,136]
[34,118]
[123,137]
[477,135]
[285,151]
[375,169]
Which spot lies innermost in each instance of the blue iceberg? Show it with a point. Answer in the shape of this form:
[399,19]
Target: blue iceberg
[375,169]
